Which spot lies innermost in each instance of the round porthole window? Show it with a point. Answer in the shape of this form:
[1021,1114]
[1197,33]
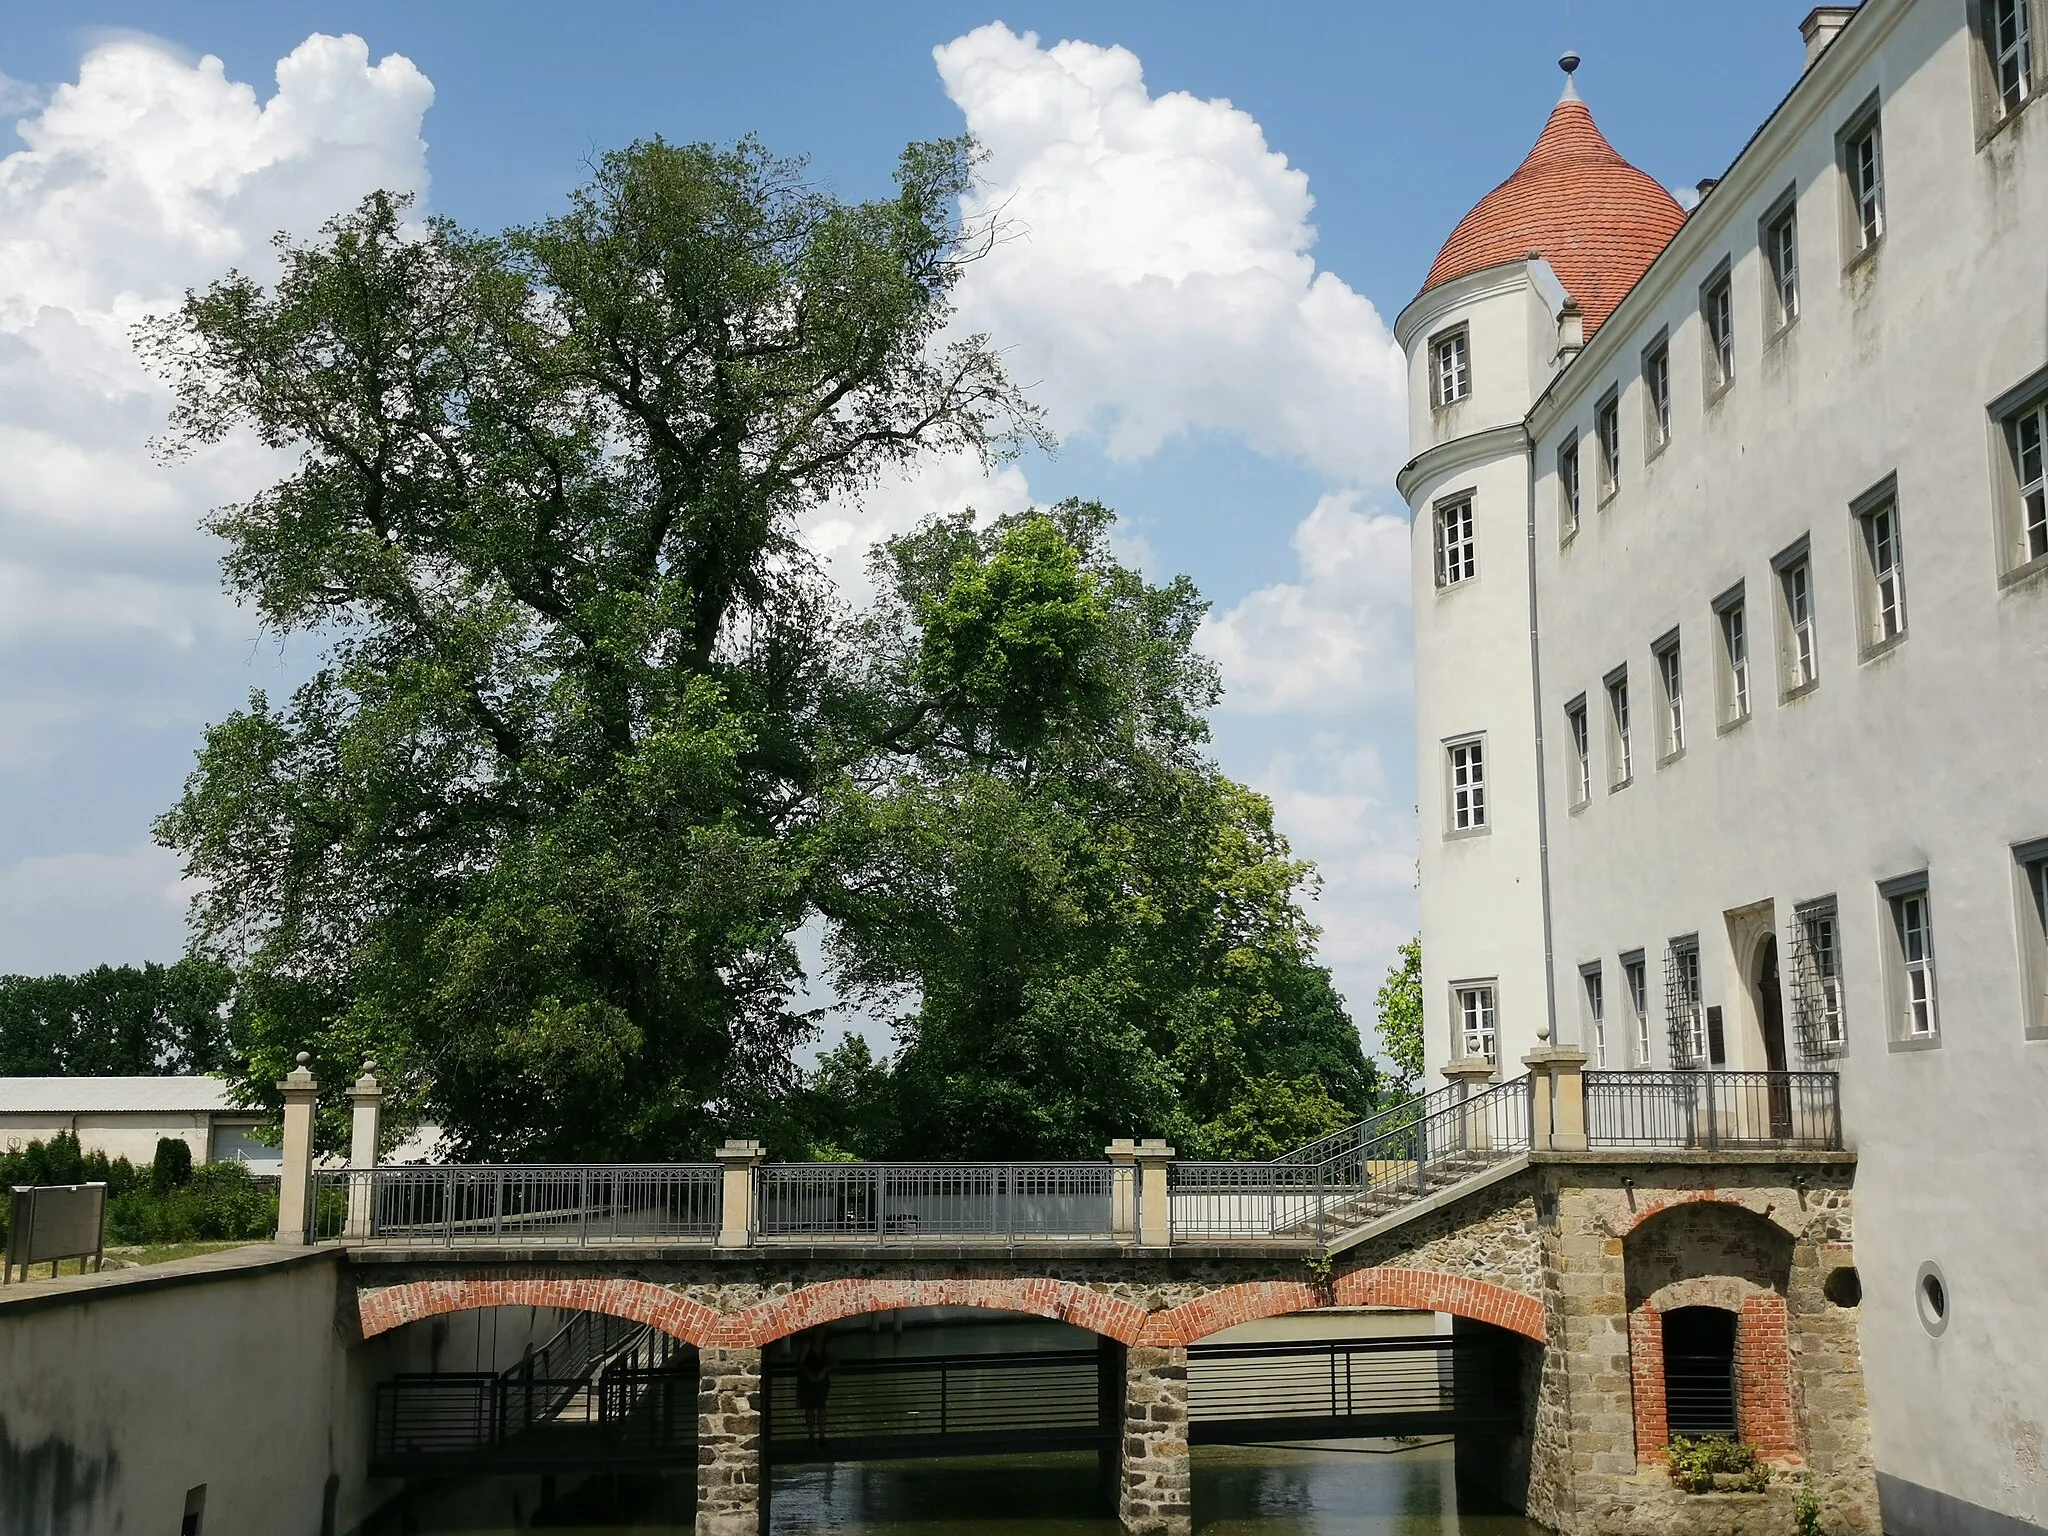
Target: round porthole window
[1931,1292]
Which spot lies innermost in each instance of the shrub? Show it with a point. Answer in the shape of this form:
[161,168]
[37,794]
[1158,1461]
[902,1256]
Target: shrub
[172,1167]
[213,1202]
[1698,1463]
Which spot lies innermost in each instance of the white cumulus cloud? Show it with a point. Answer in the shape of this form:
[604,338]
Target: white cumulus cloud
[1155,277]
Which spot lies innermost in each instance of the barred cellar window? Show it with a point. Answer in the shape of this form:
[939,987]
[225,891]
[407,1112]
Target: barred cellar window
[1817,979]
[1457,551]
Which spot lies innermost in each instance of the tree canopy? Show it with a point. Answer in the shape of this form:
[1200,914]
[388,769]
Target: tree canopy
[1399,1013]
[592,734]
[118,1021]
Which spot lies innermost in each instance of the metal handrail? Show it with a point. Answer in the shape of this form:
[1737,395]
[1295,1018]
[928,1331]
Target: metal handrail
[1715,1110]
[885,1202]
[1336,1143]
[575,1203]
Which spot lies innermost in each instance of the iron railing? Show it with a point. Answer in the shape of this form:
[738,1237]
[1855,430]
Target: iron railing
[624,1413]
[1714,1111]
[1264,1391]
[568,1203]
[936,1402]
[1407,1112]
[905,1202]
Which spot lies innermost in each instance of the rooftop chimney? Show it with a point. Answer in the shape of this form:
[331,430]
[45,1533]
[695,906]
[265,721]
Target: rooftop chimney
[1820,27]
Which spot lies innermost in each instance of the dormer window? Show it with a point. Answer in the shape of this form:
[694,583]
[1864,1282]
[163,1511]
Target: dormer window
[1450,368]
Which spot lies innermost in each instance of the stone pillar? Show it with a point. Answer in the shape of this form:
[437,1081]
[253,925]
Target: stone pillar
[366,1118]
[736,1203]
[295,1188]
[729,1432]
[1123,1189]
[1471,1074]
[1153,1495]
[1155,1200]
[1558,1123]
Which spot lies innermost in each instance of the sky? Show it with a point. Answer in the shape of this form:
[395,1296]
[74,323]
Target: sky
[1220,210]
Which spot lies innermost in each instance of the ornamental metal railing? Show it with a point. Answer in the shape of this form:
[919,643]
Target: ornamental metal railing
[1407,1112]
[908,1202]
[552,1204]
[1715,1111]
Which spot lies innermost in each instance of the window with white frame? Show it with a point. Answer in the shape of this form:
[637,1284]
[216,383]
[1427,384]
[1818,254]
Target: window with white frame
[1717,310]
[1466,765]
[2030,863]
[1582,751]
[1883,586]
[1567,489]
[1457,552]
[1620,755]
[1657,396]
[1916,1016]
[1607,428]
[1862,149]
[1687,1019]
[1472,1002]
[1799,641]
[1732,618]
[1635,971]
[2026,442]
[1781,264]
[1671,687]
[1596,1012]
[2009,42]
[1816,976]
[1450,368]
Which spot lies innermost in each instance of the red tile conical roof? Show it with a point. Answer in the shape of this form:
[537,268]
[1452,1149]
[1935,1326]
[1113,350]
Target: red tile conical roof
[1595,218]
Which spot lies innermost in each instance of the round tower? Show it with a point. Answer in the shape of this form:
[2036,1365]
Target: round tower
[1525,277]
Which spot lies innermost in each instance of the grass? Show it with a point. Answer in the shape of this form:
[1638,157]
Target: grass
[164,1253]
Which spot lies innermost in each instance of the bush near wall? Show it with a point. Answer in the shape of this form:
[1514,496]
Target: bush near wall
[164,1203]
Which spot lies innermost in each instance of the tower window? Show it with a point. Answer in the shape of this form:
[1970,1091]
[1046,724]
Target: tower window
[2011,46]
[1457,552]
[1473,1003]
[1883,586]
[1567,489]
[1450,369]
[1657,396]
[1607,427]
[1466,762]
[1717,309]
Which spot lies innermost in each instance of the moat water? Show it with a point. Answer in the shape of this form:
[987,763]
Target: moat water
[1361,1488]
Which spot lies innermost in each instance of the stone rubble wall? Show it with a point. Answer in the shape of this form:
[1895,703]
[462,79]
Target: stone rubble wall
[1154,1492]
[729,1442]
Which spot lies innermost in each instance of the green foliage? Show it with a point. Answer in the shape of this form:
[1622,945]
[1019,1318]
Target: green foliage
[216,1202]
[1399,1006]
[117,1021]
[1700,1464]
[172,1166]
[1806,1511]
[1269,1116]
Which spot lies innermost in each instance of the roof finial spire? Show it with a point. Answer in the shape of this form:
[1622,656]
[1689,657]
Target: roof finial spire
[1569,63]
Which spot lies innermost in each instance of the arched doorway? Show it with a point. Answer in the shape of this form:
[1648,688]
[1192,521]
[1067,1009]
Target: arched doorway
[1770,1017]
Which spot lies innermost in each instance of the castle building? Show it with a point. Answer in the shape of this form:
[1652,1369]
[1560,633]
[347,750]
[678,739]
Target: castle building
[1730,559]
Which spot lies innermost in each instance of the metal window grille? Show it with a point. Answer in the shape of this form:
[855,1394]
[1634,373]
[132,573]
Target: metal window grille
[1866,181]
[1596,1011]
[1568,486]
[2012,52]
[1657,376]
[1887,573]
[1475,1021]
[1453,371]
[1816,977]
[1916,949]
[1798,584]
[1617,703]
[1721,330]
[1582,750]
[1674,699]
[1735,645]
[1684,1019]
[1468,786]
[1607,425]
[1457,552]
[1639,1005]
[1782,243]
[2029,450]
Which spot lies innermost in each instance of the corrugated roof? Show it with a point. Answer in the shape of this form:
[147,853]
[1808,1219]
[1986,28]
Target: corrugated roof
[113,1095]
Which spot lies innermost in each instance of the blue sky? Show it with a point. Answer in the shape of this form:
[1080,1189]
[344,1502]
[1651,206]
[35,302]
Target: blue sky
[1204,293]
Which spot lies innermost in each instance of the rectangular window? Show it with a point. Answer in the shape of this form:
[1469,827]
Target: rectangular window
[2011,46]
[1449,369]
[2031,865]
[1620,759]
[1468,785]
[1686,1019]
[1582,751]
[1636,974]
[1657,396]
[1915,1012]
[1883,587]
[1596,1013]
[2026,439]
[1717,309]
[1862,149]
[1473,1002]
[1817,980]
[1671,681]
[1568,489]
[1799,641]
[1734,624]
[1607,427]
[1457,552]
[1781,265]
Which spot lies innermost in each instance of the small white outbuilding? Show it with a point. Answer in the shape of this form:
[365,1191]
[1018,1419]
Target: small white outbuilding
[126,1116]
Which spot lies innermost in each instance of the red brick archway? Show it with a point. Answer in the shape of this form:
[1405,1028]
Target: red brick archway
[1763,1377]
[388,1307]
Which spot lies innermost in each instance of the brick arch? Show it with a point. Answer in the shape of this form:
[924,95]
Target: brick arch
[393,1306]
[1419,1290]
[1060,1300]
[1763,1366]
[1652,1209]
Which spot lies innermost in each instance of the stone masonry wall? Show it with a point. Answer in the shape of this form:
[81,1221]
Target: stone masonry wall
[728,1442]
[1154,1493]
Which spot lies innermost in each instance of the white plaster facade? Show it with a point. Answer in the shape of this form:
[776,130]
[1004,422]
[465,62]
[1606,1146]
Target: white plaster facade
[1920,755]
